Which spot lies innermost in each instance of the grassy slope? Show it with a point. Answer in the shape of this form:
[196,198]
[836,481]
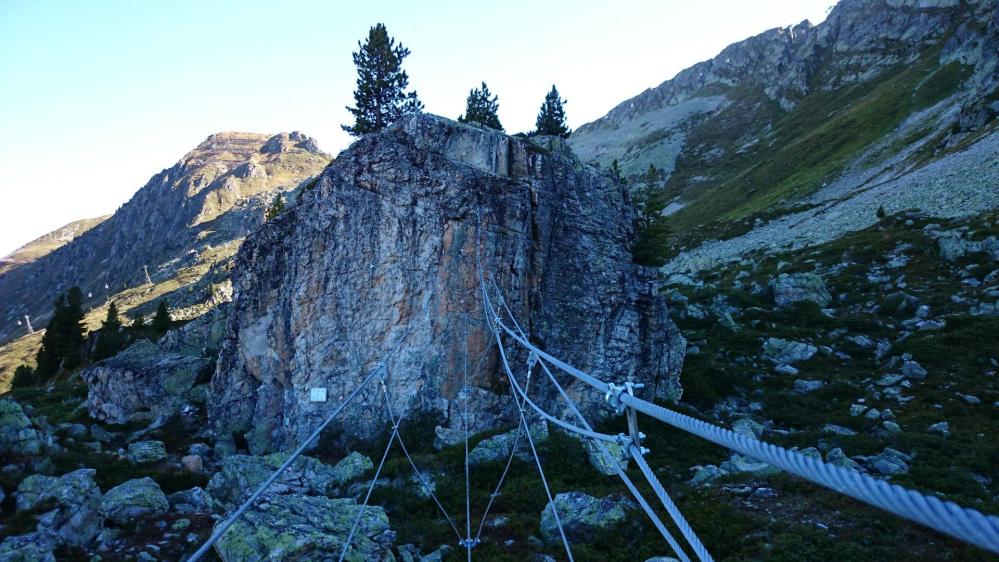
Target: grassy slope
[805,147]
[142,299]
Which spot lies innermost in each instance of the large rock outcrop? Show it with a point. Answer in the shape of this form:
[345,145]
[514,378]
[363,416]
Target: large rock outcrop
[382,253]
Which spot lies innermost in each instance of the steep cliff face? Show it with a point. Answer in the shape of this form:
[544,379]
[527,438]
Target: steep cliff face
[193,213]
[881,85]
[383,253]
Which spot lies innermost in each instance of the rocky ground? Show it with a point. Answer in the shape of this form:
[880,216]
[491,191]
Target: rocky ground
[875,352]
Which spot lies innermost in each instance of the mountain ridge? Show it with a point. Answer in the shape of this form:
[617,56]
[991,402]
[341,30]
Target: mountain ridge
[801,117]
[186,220]
[48,242]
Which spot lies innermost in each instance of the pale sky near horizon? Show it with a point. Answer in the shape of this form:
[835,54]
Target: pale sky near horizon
[98,96]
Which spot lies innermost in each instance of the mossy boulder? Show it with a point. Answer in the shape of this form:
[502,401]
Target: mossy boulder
[33,547]
[69,505]
[498,447]
[351,467]
[135,498]
[791,288]
[287,527]
[240,476]
[142,452]
[18,435]
[609,459]
[583,515]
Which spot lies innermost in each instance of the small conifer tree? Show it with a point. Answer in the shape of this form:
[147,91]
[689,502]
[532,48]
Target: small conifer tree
[161,320]
[616,170]
[551,118]
[276,208]
[381,95]
[109,340]
[23,376]
[482,107]
[651,227]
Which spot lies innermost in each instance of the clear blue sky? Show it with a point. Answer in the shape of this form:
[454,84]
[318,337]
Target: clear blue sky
[97,96]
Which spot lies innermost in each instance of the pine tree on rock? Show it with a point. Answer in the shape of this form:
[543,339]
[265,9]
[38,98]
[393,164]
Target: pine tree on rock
[138,322]
[110,340]
[276,208]
[551,118]
[381,95]
[161,321]
[482,107]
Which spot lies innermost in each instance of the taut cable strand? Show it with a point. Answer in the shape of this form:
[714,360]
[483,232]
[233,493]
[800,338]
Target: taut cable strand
[221,529]
[371,488]
[695,543]
[530,439]
[947,517]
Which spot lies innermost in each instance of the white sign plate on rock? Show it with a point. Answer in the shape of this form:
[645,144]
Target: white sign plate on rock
[317,395]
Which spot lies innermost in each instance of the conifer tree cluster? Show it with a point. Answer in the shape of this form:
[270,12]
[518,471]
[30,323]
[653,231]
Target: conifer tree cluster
[65,337]
[381,95]
[482,107]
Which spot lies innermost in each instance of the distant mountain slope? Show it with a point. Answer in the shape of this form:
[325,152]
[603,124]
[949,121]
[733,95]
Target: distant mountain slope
[46,243]
[880,88]
[185,223]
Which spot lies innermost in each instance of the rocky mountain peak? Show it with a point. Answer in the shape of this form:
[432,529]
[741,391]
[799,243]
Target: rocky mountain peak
[193,214]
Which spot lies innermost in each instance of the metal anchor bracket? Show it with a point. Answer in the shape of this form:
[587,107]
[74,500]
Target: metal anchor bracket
[634,436]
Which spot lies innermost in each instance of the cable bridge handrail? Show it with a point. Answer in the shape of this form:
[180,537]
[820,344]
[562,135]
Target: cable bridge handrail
[692,539]
[944,516]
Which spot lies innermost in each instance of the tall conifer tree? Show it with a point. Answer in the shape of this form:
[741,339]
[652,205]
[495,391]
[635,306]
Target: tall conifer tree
[110,340]
[482,107]
[551,118]
[49,357]
[381,95]
[65,336]
[161,320]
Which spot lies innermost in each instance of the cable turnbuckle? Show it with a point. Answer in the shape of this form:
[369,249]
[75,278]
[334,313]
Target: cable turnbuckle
[468,543]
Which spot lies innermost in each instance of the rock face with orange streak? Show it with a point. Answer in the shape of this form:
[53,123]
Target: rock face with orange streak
[384,252]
